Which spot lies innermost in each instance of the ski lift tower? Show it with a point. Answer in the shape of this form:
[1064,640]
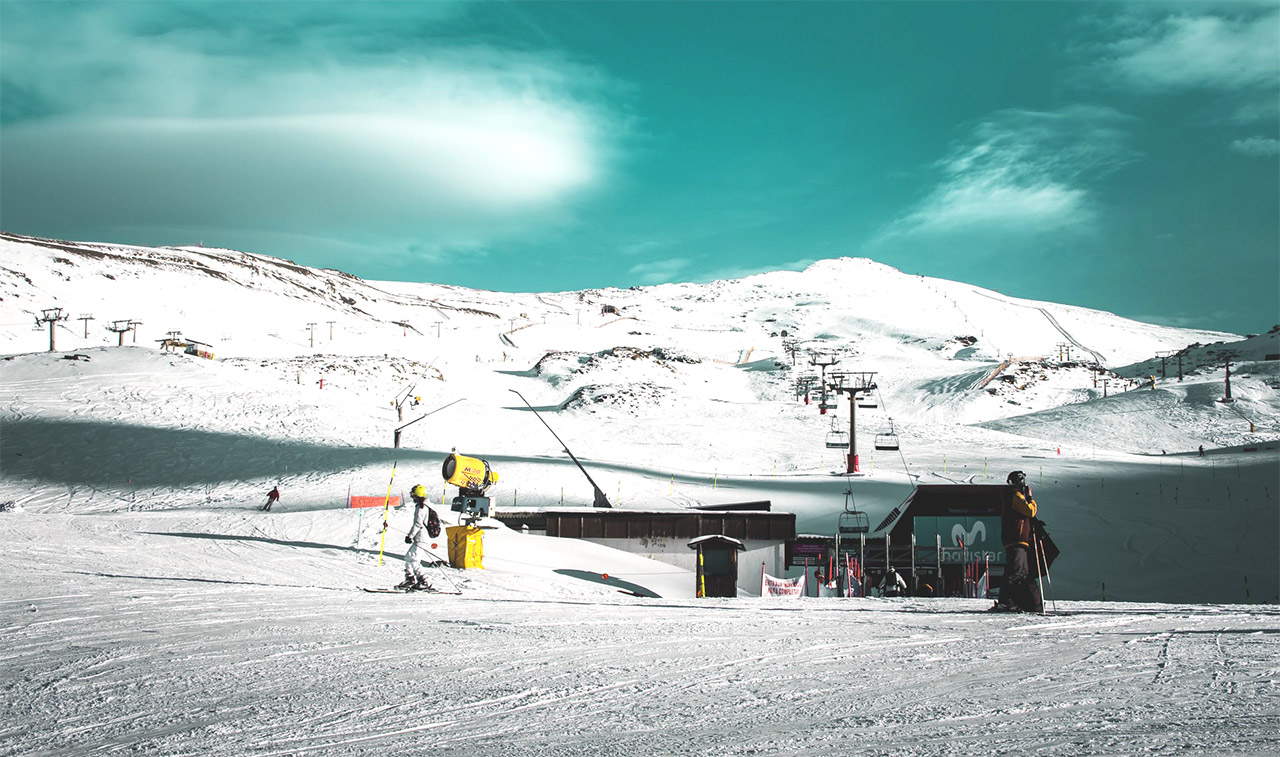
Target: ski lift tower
[823,361]
[52,316]
[853,383]
[120,328]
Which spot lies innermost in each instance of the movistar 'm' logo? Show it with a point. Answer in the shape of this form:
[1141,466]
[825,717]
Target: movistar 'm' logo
[977,533]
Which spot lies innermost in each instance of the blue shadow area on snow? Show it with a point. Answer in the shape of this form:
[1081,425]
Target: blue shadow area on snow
[617,583]
[96,453]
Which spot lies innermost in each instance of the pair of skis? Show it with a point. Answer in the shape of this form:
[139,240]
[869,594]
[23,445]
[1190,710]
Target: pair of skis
[407,591]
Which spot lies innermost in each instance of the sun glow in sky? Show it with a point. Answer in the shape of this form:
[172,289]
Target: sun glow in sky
[1111,155]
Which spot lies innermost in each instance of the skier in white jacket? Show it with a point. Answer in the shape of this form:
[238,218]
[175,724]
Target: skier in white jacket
[418,535]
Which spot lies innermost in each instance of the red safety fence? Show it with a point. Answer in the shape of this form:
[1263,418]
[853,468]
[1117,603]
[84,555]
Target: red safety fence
[378,500]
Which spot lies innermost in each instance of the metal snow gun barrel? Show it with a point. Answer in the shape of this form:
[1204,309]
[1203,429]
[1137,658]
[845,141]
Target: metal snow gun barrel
[468,473]
[472,476]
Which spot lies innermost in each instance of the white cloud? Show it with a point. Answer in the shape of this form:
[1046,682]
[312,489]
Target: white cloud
[1262,110]
[458,144]
[658,271]
[1262,147]
[1021,171]
[1200,51]
[741,271]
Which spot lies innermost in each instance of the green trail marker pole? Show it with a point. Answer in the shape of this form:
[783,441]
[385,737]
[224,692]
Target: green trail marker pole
[386,505]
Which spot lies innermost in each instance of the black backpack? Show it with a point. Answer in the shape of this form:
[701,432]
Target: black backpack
[433,523]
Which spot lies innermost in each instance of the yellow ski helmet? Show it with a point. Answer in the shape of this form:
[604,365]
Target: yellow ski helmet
[418,492]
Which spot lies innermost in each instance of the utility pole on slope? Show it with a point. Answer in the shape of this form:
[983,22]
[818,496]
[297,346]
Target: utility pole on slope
[330,330]
[86,319]
[312,328]
[133,326]
[1226,359]
[51,316]
[1164,356]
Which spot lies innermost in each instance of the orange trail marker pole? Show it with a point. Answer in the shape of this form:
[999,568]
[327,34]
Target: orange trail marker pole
[386,505]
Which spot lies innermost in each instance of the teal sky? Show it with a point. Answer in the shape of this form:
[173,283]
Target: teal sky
[1118,156]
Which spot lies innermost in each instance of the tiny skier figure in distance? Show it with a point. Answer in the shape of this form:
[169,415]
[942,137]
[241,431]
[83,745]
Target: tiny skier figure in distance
[426,525]
[272,497]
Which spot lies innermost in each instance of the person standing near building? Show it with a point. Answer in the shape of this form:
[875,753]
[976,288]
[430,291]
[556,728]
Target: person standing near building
[1020,591]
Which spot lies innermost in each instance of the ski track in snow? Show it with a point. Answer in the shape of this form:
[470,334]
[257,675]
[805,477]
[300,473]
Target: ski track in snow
[221,633]
[148,667]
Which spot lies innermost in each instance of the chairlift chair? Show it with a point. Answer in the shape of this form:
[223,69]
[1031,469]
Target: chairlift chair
[852,520]
[887,440]
[837,440]
[867,401]
[855,522]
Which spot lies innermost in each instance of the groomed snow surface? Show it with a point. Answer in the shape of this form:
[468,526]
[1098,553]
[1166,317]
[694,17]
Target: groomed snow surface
[198,633]
[149,605]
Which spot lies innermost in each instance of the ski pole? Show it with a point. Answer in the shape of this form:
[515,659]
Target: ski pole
[1042,564]
[1039,574]
[386,505]
[1048,578]
[440,567]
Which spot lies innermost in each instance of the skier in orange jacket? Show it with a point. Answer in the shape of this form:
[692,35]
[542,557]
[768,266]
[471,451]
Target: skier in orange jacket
[1020,590]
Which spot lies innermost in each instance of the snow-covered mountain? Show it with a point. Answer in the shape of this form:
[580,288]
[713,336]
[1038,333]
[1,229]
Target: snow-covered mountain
[150,606]
[674,395]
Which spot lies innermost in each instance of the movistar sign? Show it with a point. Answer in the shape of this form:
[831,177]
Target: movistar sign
[963,538]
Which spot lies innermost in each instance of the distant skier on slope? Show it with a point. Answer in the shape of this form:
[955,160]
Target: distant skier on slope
[893,585]
[1020,590]
[426,525]
[272,497]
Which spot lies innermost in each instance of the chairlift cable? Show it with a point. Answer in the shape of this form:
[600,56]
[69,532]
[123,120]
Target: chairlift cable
[905,467]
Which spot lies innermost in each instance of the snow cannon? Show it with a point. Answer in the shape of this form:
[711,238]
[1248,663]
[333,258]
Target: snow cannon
[473,477]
